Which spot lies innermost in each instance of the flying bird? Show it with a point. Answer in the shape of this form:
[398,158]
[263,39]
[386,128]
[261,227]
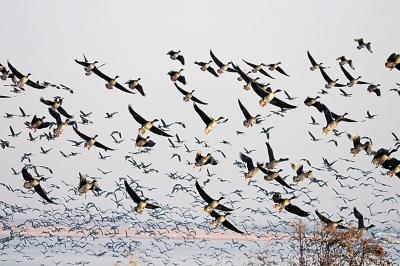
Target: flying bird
[30,183]
[141,203]
[146,125]
[91,141]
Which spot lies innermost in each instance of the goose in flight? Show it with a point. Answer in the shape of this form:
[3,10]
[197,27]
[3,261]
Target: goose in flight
[272,175]
[343,61]
[30,183]
[362,44]
[5,74]
[331,122]
[361,228]
[221,219]
[207,67]
[177,76]
[146,125]
[141,203]
[252,170]
[211,123]
[87,66]
[314,64]
[285,203]
[56,105]
[211,203]
[352,81]
[222,67]
[134,84]
[189,95]
[258,68]
[300,174]
[38,123]
[273,163]
[329,224]
[85,185]
[61,126]
[249,119]
[201,160]
[269,97]
[144,142]
[330,83]
[357,145]
[91,141]
[393,61]
[276,66]
[111,83]
[176,55]
[23,80]
[246,78]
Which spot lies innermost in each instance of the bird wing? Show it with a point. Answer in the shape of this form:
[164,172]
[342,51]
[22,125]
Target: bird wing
[246,113]
[242,74]
[258,90]
[247,160]
[311,59]
[122,88]
[180,89]
[211,160]
[140,90]
[63,112]
[206,119]
[270,152]
[347,74]
[212,71]
[132,193]
[203,194]
[325,76]
[151,206]
[312,136]
[296,210]
[56,116]
[280,70]
[136,116]
[101,146]
[26,175]
[277,102]
[182,79]
[34,85]
[181,59]
[323,218]
[14,71]
[198,101]
[46,102]
[216,60]
[344,119]
[328,115]
[363,83]
[228,225]
[359,217]
[339,226]
[82,63]
[80,134]
[223,208]
[264,170]
[262,71]
[158,131]
[282,182]
[215,214]
[41,192]
[250,64]
[101,74]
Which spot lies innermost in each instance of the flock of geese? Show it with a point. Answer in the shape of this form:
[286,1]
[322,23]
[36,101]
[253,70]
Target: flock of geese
[61,119]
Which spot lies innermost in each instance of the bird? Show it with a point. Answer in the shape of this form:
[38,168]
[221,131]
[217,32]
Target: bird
[344,61]
[314,64]
[284,203]
[141,203]
[313,138]
[374,88]
[177,76]
[258,68]
[144,142]
[249,119]
[330,83]
[329,224]
[269,97]
[13,134]
[272,175]
[362,44]
[176,55]
[87,66]
[61,126]
[30,183]
[222,67]
[393,61]
[288,97]
[201,160]
[189,95]
[352,81]
[301,174]
[273,163]
[134,84]
[211,203]
[110,115]
[91,141]
[361,228]
[276,67]
[331,123]
[23,79]
[111,83]
[370,116]
[381,156]
[252,170]
[357,145]
[221,219]
[146,125]
[38,123]
[345,94]
[85,185]
[207,67]
[211,123]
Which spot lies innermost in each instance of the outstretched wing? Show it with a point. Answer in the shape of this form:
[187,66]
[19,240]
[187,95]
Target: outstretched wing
[247,160]
[80,134]
[313,63]
[136,116]
[228,225]
[359,217]
[101,74]
[280,70]
[151,206]
[246,113]
[198,101]
[46,102]
[180,89]
[122,88]
[41,192]
[206,119]
[26,175]
[216,60]
[296,210]
[56,116]
[277,102]
[14,71]
[203,194]
[82,63]
[63,112]
[132,193]
[158,131]
[323,218]
[101,146]
[347,74]
[270,152]
[282,182]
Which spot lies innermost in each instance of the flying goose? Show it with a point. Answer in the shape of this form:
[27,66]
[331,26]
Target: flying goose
[85,185]
[246,78]
[352,81]
[189,95]
[207,67]
[5,74]
[61,126]
[309,101]
[330,83]
[361,229]
[300,174]
[23,79]
[276,67]
[314,64]
[176,55]
[393,61]
[211,123]
[272,175]
[222,67]
[87,66]
[221,219]
[201,160]
[269,97]
[284,203]
[258,68]
[344,61]
[212,203]
[273,163]
[345,94]
[147,125]
[393,165]
[30,183]
[374,88]
[177,76]
[329,224]
[331,122]
[56,105]
[381,156]
[141,203]
[251,169]
[357,145]
[249,120]
[111,83]
[134,84]
[362,44]
[91,141]
[144,142]
[38,123]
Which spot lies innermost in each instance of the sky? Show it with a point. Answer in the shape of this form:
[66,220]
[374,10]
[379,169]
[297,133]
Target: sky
[132,39]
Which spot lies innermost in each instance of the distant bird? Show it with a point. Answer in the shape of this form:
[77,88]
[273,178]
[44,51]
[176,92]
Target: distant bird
[222,67]
[352,81]
[30,183]
[345,94]
[23,79]
[111,82]
[88,67]
[277,67]
[362,44]
[329,224]
[146,125]
[314,64]
[23,114]
[177,76]
[284,203]
[207,67]
[288,97]
[374,88]
[91,141]
[176,55]
[313,138]
[201,160]
[110,115]
[370,116]
[144,142]
[13,134]
[211,203]
[189,95]
[221,219]
[344,61]
[134,84]
[313,122]
[301,174]
[141,203]
[211,123]
[329,82]
[272,175]
[249,119]
[393,61]
[362,229]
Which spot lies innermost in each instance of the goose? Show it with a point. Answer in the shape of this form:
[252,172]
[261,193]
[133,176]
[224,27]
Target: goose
[374,88]
[393,165]
[211,123]
[258,68]
[251,169]
[134,84]
[300,174]
[362,44]
[141,203]
[23,79]
[211,203]
[56,105]
[13,134]
[284,203]
[345,94]
[313,138]
[381,156]
[393,61]
[246,78]
[88,67]
[91,141]
[344,61]
[221,219]
[240,78]
[189,95]
[273,163]
[176,56]
[146,125]
[222,67]
[276,67]
[330,83]
[361,228]
[249,120]
[111,83]
[61,126]
[201,160]
[30,183]
[207,67]
[357,145]
[144,142]
[370,116]
[314,64]
[38,123]
[177,76]
[352,81]
[314,122]
[288,97]
[269,97]
[329,224]
[331,123]
[5,74]
[85,185]
[272,175]
[309,101]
